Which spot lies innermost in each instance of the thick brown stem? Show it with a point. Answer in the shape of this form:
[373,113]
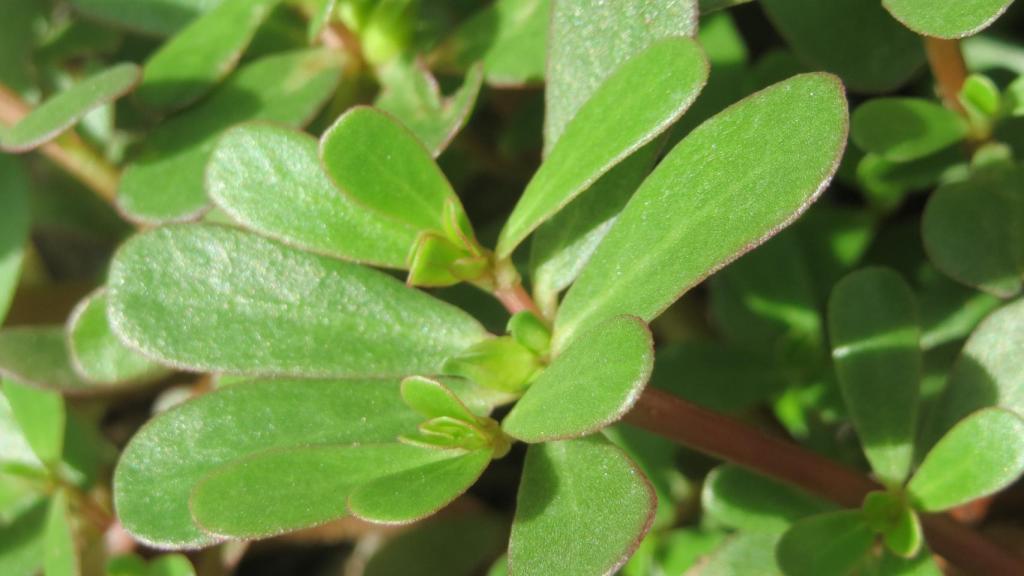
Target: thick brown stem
[948,66]
[726,438]
[69,151]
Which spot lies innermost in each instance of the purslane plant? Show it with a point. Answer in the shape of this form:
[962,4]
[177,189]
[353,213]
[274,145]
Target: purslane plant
[307,277]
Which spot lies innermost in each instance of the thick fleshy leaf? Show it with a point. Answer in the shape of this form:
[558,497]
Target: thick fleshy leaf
[947,19]
[583,508]
[217,299]
[170,455]
[657,459]
[750,502]
[38,355]
[96,353]
[876,347]
[65,109]
[458,545]
[16,455]
[724,189]
[160,17]
[979,456]
[381,165]
[61,558]
[207,50]
[891,516]
[23,541]
[562,245]
[905,129]
[165,182]
[285,490]
[408,495]
[18,39]
[973,230]
[715,375]
[40,415]
[766,302]
[268,179]
[590,385]
[989,371]
[832,543]
[857,40]
[615,121]
[14,226]
[508,36]
[591,41]
[411,94]
[433,400]
[742,553]
[163,565]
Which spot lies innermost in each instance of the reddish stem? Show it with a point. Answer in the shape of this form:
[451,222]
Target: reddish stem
[728,439]
[515,299]
[950,71]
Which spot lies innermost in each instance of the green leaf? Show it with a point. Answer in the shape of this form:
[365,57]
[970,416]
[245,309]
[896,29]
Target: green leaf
[562,245]
[980,97]
[203,53]
[217,299]
[876,347]
[96,353]
[766,302]
[832,543]
[614,122]
[159,17]
[382,166]
[163,565]
[947,20]
[707,6]
[889,515]
[699,204]
[988,372]
[17,456]
[165,182]
[905,129]
[591,41]
[432,399]
[170,455]
[61,558]
[408,495]
[500,364]
[749,502]
[410,93]
[508,36]
[715,375]
[14,227]
[23,540]
[453,546]
[590,385]
[583,508]
[657,459]
[64,110]
[973,230]
[269,180]
[683,548]
[281,491]
[979,456]
[40,414]
[855,39]
[18,37]
[38,355]
[742,553]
